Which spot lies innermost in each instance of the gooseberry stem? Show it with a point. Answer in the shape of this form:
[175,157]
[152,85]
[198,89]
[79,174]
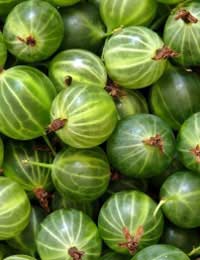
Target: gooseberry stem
[194,251]
[44,165]
[46,139]
[160,204]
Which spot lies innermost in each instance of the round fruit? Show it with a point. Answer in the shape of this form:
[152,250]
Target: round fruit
[128,102]
[31,178]
[68,234]
[63,2]
[14,208]
[176,86]
[20,257]
[188,143]
[23,115]
[59,202]
[81,174]
[83,27]
[26,239]
[3,51]
[113,256]
[161,252]
[77,66]
[123,13]
[185,239]
[182,33]
[126,222]
[139,143]
[180,199]
[33,30]
[140,60]
[85,116]
[6,6]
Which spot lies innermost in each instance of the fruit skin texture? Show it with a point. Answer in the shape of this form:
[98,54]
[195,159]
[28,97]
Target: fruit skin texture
[64,229]
[60,202]
[3,51]
[113,256]
[129,209]
[134,66]
[81,174]
[130,155]
[81,65]
[23,115]
[131,103]
[127,12]
[26,239]
[175,96]
[33,31]
[90,113]
[14,209]
[63,2]
[6,6]
[161,252]
[83,27]
[29,177]
[184,37]
[181,193]
[20,257]
[184,239]
[188,143]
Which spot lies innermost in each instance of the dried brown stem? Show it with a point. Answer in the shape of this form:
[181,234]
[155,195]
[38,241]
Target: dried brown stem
[68,80]
[165,53]
[196,152]
[56,125]
[186,16]
[132,242]
[75,253]
[114,90]
[43,198]
[42,148]
[30,41]
[155,141]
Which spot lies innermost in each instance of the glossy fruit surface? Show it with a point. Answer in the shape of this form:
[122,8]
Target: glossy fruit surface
[77,66]
[130,103]
[140,142]
[60,202]
[185,239]
[175,96]
[20,257]
[127,12]
[180,194]
[6,6]
[81,174]
[29,177]
[83,27]
[33,30]
[161,252]
[128,217]
[89,113]
[136,64]
[113,256]
[23,115]
[26,239]
[65,233]
[188,143]
[63,2]
[14,208]
[182,33]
